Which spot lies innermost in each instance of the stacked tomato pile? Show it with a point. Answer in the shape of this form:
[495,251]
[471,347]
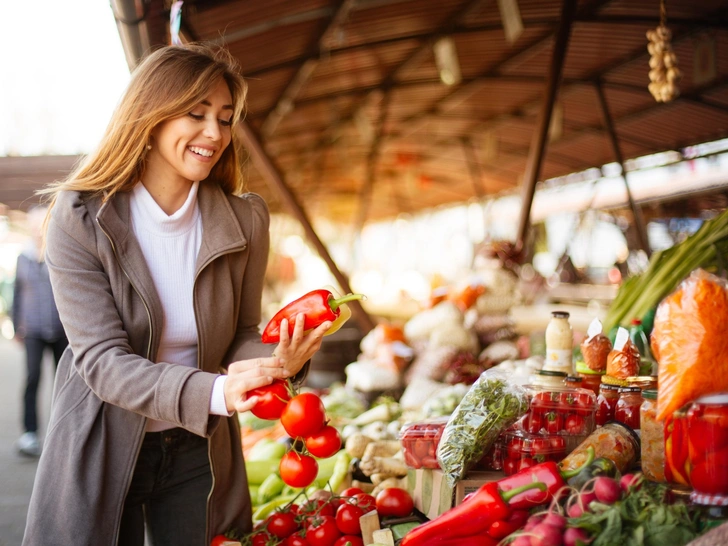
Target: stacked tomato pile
[419,443]
[556,422]
[329,522]
[302,416]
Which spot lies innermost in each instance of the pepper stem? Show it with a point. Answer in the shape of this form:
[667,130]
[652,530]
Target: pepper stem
[566,474]
[335,303]
[508,495]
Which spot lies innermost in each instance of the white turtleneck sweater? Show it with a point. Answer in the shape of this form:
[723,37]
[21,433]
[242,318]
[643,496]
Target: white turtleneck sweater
[170,245]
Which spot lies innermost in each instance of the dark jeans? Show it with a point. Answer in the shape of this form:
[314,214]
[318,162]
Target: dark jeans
[34,349]
[168,492]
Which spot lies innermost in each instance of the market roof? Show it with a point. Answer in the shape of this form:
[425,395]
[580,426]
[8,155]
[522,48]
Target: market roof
[347,99]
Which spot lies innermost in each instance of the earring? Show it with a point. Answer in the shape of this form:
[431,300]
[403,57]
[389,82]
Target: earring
[149,146]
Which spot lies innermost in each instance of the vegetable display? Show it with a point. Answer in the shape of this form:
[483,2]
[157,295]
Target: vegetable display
[319,306]
[490,406]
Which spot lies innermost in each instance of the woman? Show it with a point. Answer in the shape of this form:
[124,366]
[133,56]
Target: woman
[157,269]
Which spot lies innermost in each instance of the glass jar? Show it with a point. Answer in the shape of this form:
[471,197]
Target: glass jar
[559,343]
[613,441]
[677,463]
[591,381]
[606,403]
[573,381]
[707,424]
[653,438]
[627,410]
[643,381]
[545,378]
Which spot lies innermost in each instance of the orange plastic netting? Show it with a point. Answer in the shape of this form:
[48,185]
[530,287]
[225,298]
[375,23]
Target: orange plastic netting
[690,342]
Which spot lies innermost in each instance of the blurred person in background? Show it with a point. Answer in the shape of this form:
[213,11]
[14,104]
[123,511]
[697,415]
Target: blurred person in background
[36,324]
[157,258]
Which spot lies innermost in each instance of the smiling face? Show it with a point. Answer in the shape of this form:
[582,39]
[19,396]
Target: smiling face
[185,149]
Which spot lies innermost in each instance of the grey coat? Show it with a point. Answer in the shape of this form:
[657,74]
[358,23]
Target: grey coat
[107,383]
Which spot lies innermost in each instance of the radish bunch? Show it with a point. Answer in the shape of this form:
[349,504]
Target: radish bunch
[553,528]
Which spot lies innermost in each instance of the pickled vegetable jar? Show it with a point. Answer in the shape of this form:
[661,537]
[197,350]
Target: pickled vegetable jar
[591,381]
[653,438]
[614,441]
[707,421]
[627,410]
[606,403]
[677,464]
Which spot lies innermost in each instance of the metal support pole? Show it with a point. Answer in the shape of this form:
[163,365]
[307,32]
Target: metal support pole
[272,174]
[639,222]
[538,145]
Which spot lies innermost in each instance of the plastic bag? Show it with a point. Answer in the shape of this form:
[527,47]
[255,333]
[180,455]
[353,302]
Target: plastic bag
[624,360]
[690,342]
[596,347]
[491,405]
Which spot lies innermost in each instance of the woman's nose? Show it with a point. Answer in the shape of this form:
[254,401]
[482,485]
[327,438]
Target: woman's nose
[212,130]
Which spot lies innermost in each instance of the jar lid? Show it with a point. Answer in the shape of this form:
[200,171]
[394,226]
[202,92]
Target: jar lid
[573,379]
[549,373]
[630,389]
[608,387]
[709,500]
[560,314]
[720,398]
[650,393]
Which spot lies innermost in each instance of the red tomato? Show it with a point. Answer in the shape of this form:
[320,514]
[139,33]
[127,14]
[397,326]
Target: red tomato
[350,492]
[546,401]
[349,540]
[316,507]
[282,524]
[554,422]
[325,443]
[347,519]
[510,466]
[295,540]
[304,415]
[541,446]
[708,428]
[260,539]
[219,540]
[710,477]
[574,424]
[395,502]
[272,399]
[298,470]
[557,442]
[525,462]
[322,531]
[534,422]
[365,501]
[584,404]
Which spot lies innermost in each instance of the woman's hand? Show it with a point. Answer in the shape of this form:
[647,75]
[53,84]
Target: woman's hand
[297,349]
[246,375]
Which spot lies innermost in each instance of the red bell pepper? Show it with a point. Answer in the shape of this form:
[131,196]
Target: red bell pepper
[501,529]
[319,306]
[547,473]
[469,520]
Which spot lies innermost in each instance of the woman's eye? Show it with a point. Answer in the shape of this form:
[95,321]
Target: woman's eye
[226,122]
[198,117]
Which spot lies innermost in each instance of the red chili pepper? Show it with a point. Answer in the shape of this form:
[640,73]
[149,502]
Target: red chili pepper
[547,473]
[508,526]
[319,306]
[469,519]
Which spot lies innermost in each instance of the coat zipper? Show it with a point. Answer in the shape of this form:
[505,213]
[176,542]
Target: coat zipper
[199,352]
[149,351]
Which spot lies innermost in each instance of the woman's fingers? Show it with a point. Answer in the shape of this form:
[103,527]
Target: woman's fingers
[284,337]
[241,366]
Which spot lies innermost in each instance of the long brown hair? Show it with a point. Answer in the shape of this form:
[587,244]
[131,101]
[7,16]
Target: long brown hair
[167,84]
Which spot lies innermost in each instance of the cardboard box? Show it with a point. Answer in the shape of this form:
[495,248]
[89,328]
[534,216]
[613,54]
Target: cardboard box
[432,495]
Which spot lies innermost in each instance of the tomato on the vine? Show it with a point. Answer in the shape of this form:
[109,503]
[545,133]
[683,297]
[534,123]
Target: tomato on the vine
[296,539]
[282,524]
[324,443]
[365,501]
[322,531]
[347,519]
[260,539]
[272,399]
[298,470]
[350,492]
[304,415]
[394,501]
[317,507]
[219,540]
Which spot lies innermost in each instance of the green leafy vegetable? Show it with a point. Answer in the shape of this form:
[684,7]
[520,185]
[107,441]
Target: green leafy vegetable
[491,405]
